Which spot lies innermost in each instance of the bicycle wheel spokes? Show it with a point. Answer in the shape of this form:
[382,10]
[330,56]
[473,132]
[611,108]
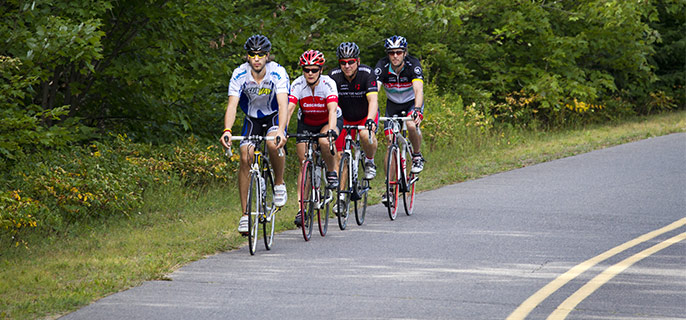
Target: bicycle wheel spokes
[325,199]
[361,189]
[253,211]
[344,191]
[269,211]
[306,199]
[392,175]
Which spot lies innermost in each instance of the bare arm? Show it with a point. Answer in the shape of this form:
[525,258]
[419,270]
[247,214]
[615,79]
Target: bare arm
[418,88]
[284,116]
[229,119]
[373,101]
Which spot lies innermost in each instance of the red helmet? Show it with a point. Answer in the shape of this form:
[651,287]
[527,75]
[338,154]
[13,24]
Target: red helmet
[312,58]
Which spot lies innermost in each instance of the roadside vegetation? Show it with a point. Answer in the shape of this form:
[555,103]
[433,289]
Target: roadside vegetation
[110,168]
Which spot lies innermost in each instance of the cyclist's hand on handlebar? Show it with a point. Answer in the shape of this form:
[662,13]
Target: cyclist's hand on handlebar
[417,116]
[280,140]
[333,134]
[371,125]
[226,140]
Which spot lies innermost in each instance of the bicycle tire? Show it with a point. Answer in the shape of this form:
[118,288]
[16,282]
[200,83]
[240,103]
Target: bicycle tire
[392,178]
[325,197]
[361,188]
[344,191]
[408,196]
[269,210]
[253,209]
[306,200]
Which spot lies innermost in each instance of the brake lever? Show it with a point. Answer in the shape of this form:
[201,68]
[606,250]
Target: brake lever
[228,152]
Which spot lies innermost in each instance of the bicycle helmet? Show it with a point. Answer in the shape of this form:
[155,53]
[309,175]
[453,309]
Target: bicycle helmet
[257,42]
[395,42]
[347,50]
[312,58]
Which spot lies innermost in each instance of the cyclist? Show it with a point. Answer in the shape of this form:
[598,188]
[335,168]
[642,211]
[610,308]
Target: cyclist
[260,87]
[403,80]
[357,97]
[318,113]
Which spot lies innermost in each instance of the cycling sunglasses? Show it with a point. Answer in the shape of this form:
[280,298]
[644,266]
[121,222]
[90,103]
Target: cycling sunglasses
[347,62]
[257,55]
[395,53]
[311,70]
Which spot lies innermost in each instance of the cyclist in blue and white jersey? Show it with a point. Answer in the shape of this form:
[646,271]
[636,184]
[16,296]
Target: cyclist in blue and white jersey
[260,87]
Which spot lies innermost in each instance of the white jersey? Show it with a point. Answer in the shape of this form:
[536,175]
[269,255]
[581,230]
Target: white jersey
[258,100]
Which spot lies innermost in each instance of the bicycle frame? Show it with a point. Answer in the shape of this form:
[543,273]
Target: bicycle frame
[404,182]
[261,172]
[316,201]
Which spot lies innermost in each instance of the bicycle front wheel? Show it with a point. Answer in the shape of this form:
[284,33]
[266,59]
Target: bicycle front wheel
[307,199]
[344,191]
[392,178]
[267,219]
[360,190]
[325,198]
[254,207]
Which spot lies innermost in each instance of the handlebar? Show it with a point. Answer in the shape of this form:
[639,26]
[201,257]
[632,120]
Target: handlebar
[359,128]
[253,138]
[315,136]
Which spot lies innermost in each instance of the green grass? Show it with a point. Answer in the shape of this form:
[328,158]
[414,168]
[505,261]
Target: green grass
[58,274]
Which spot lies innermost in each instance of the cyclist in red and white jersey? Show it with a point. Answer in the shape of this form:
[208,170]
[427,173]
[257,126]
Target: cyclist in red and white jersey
[260,87]
[403,80]
[357,97]
[317,97]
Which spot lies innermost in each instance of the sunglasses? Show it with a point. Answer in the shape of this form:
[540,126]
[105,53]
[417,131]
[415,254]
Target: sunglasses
[257,55]
[311,70]
[395,53]
[347,62]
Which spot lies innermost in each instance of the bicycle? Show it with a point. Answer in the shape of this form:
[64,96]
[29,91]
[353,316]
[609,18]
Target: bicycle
[261,208]
[351,187]
[397,177]
[314,194]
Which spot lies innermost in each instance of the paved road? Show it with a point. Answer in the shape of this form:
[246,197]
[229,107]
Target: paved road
[474,250]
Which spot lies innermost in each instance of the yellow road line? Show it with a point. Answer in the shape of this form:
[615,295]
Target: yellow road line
[533,301]
[570,303]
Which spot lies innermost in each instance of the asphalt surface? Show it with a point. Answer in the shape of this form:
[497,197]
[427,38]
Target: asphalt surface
[474,250]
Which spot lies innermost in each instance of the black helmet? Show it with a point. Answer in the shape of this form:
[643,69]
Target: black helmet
[395,42]
[257,42]
[348,50]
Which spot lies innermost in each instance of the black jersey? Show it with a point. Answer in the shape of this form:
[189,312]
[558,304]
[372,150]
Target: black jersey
[352,95]
[399,86]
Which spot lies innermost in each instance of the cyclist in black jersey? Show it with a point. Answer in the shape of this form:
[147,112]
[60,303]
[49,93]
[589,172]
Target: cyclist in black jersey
[357,97]
[403,80]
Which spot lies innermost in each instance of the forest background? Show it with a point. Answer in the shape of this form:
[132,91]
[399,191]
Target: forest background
[103,100]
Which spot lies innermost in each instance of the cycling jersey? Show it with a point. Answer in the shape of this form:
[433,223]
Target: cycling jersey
[399,86]
[258,100]
[313,110]
[352,95]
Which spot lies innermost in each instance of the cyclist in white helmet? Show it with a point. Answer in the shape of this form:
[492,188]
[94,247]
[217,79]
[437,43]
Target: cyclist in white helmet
[403,80]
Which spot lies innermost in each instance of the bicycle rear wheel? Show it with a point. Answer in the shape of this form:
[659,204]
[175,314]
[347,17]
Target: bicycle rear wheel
[392,178]
[360,189]
[307,199]
[325,198]
[254,207]
[344,191]
[267,219]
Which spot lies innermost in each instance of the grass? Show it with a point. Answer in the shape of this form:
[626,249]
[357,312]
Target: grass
[58,274]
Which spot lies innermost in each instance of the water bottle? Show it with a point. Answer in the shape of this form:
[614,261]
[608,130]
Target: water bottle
[402,163]
[317,178]
[263,185]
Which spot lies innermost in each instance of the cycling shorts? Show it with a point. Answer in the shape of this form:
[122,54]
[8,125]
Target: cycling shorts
[259,126]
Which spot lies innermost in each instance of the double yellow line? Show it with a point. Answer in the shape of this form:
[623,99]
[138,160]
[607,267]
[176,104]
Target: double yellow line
[568,305]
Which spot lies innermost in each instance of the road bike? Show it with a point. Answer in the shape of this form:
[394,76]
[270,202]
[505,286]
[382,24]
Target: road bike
[352,187]
[314,194]
[399,179]
[260,209]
